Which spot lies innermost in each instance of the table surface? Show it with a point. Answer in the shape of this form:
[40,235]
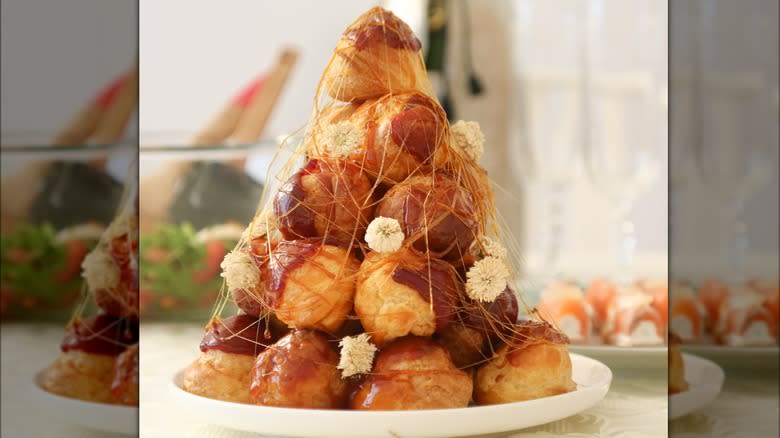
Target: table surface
[636,405]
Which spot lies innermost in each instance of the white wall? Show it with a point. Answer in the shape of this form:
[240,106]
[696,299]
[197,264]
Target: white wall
[57,55]
[196,55]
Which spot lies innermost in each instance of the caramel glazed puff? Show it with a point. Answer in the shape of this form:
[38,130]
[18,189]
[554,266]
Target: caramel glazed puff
[413,373]
[325,199]
[388,139]
[311,284]
[378,54]
[85,369]
[299,371]
[535,363]
[228,351]
[405,292]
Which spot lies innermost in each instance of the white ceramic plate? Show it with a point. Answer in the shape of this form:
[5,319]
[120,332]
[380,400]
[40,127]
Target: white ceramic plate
[593,379]
[736,357]
[705,380]
[625,357]
[99,416]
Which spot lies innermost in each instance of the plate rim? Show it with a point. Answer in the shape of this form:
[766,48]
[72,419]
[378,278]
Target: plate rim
[601,348]
[690,360]
[595,391]
[98,408]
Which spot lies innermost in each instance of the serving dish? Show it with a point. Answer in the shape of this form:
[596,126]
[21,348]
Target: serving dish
[705,380]
[592,377]
[98,416]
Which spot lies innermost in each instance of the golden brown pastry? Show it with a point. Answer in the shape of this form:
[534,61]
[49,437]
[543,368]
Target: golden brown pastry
[299,371]
[311,284]
[377,55]
[413,373]
[534,364]
[124,384]
[325,199]
[677,381]
[85,368]
[389,138]
[248,289]
[405,292]
[436,214]
[477,327]
[228,351]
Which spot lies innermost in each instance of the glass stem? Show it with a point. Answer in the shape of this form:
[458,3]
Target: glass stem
[738,246]
[626,242]
[554,238]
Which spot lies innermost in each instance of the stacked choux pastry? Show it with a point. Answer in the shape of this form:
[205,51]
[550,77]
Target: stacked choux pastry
[369,279]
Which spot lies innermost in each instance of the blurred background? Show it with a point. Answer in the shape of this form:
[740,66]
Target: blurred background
[69,132]
[571,97]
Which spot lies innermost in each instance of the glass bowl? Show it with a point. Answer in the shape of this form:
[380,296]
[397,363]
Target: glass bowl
[195,204]
[56,201]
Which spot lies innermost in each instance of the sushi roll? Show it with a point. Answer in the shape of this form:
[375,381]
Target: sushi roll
[687,315]
[744,321]
[632,320]
[564,305]
[599,294]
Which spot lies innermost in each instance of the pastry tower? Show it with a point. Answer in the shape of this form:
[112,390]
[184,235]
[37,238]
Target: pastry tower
[372,278]
[99,360]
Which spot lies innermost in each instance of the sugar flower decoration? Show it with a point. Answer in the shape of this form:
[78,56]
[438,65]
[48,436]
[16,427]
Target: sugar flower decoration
[239,270]
[486,279]
[469,138]
[384,234]
[260,226]
[100,270]
[341,139]
[357,355]
[492,248]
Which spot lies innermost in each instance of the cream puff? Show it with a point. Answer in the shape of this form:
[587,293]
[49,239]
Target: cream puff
[85,369]
[325,199]
[124,384]
[378,54]
[228,351]
[535,363]
[311,284]
[478,327]
[389,138]
[436,214]
[413,373]
[405,292]
[299,371]
[677,382]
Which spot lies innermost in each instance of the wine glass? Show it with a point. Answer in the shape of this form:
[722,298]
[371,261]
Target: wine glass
[548,66]
[736,153]
[625,144]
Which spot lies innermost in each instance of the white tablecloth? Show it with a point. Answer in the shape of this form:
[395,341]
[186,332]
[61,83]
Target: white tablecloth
[636,405]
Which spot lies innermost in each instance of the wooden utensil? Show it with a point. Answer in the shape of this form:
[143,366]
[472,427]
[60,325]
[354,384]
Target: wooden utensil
[254,118]
[107,114]
[241,121]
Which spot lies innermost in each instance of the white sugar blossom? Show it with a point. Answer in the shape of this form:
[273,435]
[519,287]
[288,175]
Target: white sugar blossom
[487,279]
[357,355]
[100,270]
[492,248]
[469,138]
[384,234]
[259,226]
[239,270]
[342,138]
